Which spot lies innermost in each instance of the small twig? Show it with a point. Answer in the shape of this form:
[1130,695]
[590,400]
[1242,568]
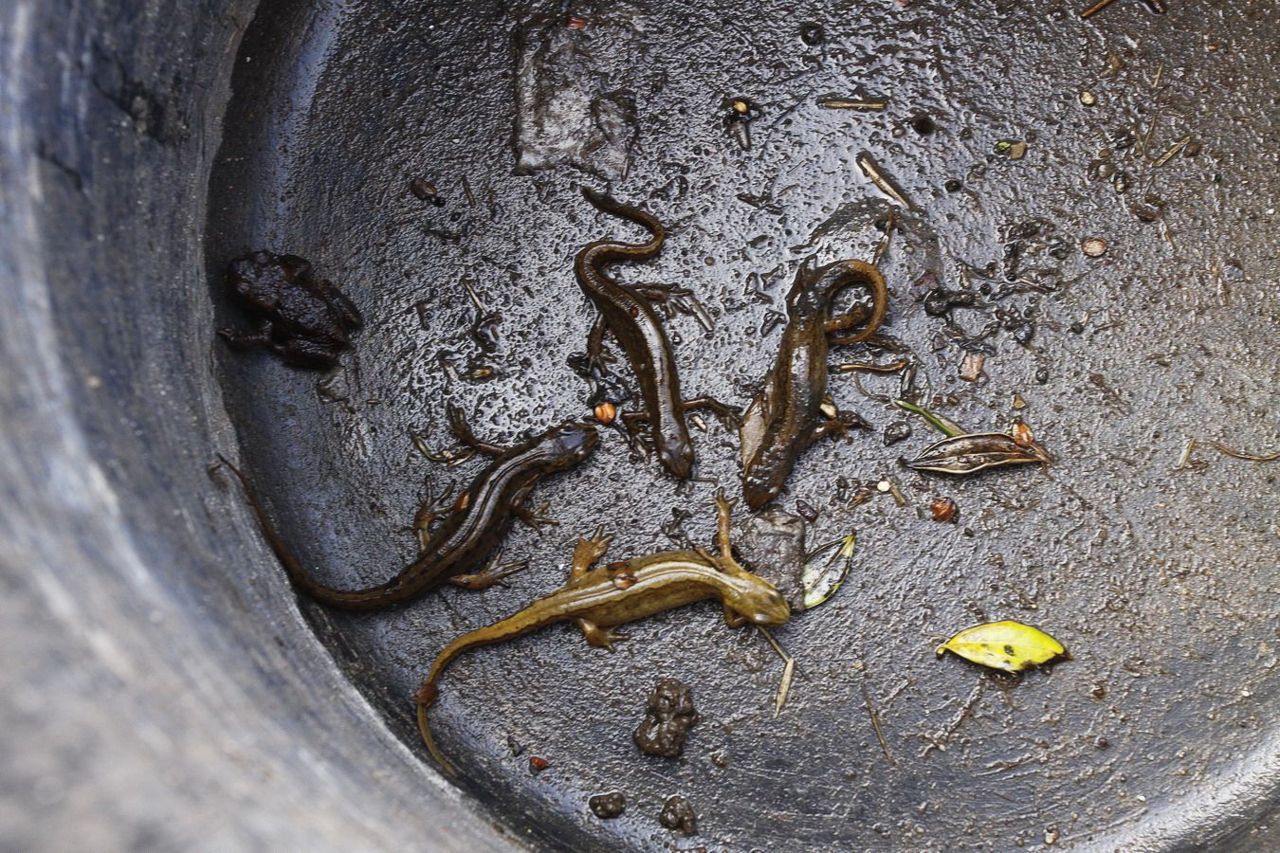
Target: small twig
[1096,8]
[1185,459]
[788,670]
[1173,151]
[882,180]
[475,297]
[832,102]
[875,718]
[1247,457]
[869,366]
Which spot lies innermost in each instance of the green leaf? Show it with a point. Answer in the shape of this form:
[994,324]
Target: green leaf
[1006,645]
[946,426]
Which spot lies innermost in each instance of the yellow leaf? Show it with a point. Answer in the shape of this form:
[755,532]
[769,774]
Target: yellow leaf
[1007,645]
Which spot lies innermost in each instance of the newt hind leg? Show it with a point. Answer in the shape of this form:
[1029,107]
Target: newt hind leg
[491,574]
[462,431]
[599,637]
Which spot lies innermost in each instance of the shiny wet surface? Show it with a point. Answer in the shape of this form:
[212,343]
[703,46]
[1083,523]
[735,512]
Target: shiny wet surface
[1160,580]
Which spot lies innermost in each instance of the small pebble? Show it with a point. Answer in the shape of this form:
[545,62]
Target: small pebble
[1088,98]
[923,125]
[678,815]
[1076,328]
[1042,375]
[1094,247]
[606,806]
[812,34]
[971,366]
[953,185]
[537,764]
[896,431]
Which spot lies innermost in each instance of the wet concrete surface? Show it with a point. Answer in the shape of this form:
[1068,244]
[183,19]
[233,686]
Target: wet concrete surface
[1161,580]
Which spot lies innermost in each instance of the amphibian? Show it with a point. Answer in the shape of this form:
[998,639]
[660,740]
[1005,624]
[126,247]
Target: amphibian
[785,418]
[471,532]
[305,320]
[600,599]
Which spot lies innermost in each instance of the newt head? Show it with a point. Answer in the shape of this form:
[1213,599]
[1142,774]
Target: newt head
[756,599]
[570,443]
[676,455]
[758,487]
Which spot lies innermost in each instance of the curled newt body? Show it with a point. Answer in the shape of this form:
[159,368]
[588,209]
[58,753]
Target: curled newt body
[786,418]
[628,314]
[600,599]
[467,536]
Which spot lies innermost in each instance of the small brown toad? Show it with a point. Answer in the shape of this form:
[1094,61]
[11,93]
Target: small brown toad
[305,320]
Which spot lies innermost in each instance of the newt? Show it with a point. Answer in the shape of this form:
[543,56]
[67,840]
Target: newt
[628,313]
[600,599]
[786,416]
[473,529]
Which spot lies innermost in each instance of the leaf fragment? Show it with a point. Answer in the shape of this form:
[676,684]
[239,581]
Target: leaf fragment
[944,425]
[1008,645]
[965,454]
[820,578]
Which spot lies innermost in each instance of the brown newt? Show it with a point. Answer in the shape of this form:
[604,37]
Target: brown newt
[628,313]
[785,418]
[471,532]
[600,599]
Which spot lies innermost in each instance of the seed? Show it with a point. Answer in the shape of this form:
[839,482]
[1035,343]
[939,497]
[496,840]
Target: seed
[576,22]
[537,764]
[1094,247]
[605,412]
[1022,435]
[425,191]
[944,509]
